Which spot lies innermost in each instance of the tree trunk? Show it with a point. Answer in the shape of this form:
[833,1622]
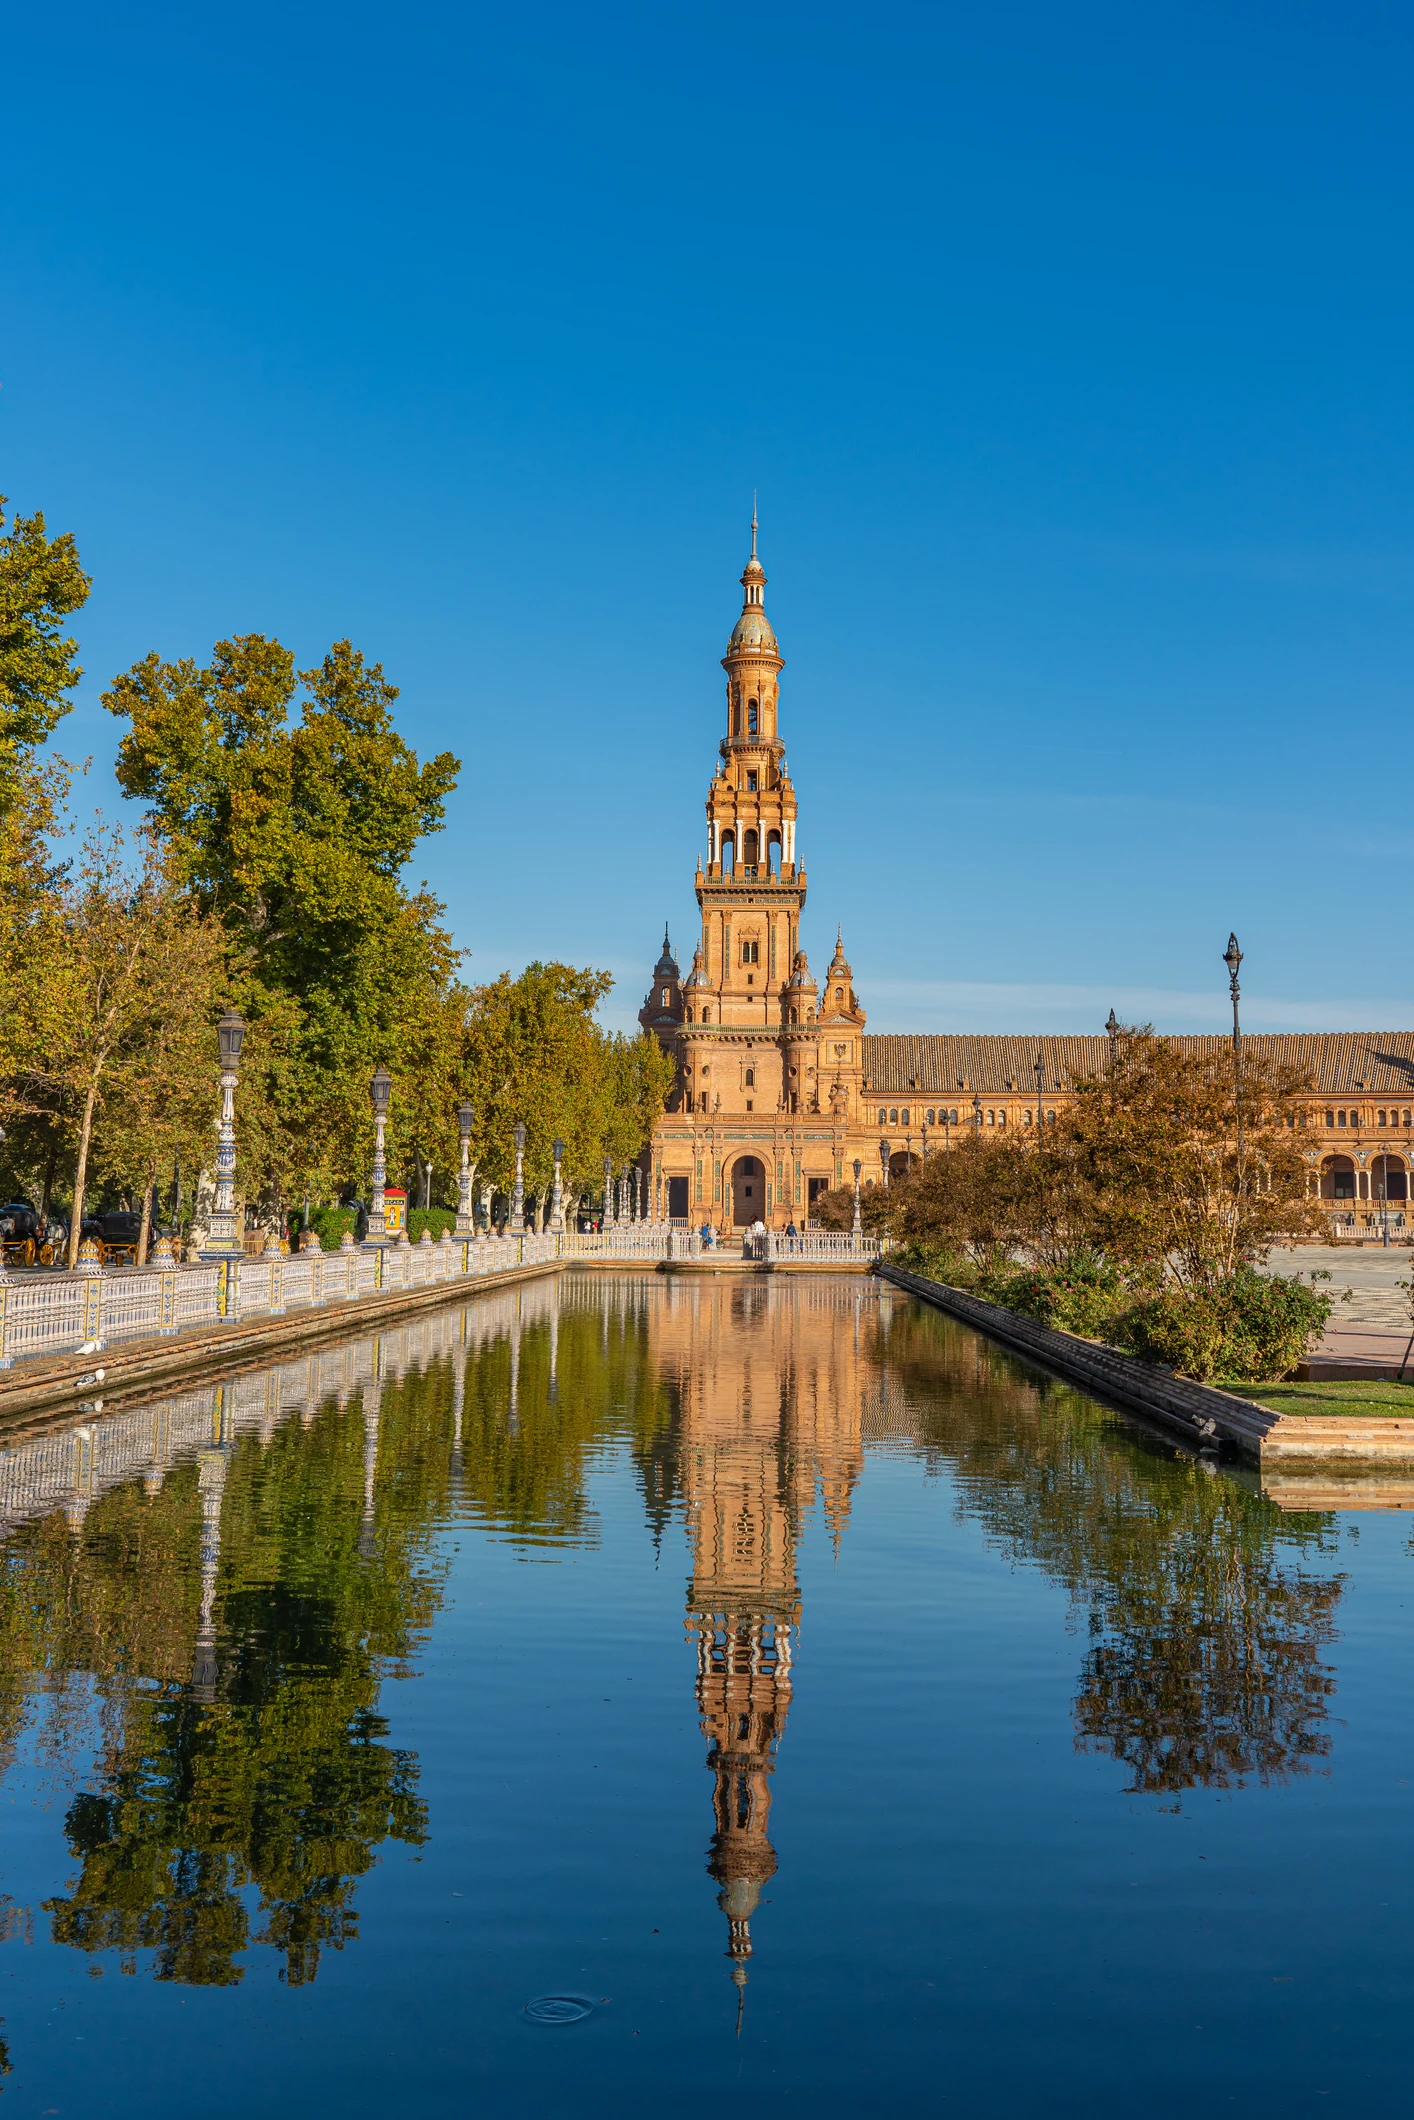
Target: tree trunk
[81,1171]
[144,1227]
[48,1180]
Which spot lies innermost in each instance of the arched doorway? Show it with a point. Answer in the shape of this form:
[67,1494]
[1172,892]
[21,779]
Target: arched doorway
[1389,1179]
[748,1191]
[1337,1178]
[901,1162]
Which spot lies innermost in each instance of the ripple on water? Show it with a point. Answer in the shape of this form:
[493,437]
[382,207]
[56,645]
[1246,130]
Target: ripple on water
[558,2009]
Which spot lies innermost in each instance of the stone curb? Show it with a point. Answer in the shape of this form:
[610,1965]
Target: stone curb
[1200,1412]
[134,1368]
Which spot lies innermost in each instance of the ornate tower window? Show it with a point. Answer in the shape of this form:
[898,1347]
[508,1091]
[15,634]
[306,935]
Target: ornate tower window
[753,719]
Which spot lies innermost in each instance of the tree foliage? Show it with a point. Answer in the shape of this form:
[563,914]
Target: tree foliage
[533,1053]
[294,834]
[42,585]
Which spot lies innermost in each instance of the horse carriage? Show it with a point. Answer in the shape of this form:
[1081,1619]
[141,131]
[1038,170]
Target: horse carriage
[28,1238]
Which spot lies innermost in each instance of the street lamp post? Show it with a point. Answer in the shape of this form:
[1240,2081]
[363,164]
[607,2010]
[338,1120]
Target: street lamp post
[627,1195]
[608,1217]
[557,1204]
[1039,1071]
[466,1225]
[518,1192]
[426,1187]
[884,1162]
[977,1112]
[858,1172]
[380,1091]
[1232,958]
[222,1242]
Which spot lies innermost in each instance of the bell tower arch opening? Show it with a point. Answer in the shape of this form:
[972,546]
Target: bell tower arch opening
[748,1191]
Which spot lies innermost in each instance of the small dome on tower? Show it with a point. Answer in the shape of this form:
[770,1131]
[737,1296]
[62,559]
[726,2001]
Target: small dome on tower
[800,978]
[752,634]
[697,976]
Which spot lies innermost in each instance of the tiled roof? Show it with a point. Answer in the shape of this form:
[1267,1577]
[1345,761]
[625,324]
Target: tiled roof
[1341,1062]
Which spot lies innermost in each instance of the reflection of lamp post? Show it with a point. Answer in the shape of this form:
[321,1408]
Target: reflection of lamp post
[1232,958]
[466,1226]
[518,1191]
[858,1170]
[884,1163]
[380,1090]
[557,1206]
[221,1241]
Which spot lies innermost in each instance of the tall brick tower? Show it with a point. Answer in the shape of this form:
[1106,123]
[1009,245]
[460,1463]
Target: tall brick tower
[758,1120]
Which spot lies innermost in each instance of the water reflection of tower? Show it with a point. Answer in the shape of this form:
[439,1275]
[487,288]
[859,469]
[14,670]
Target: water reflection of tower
[771,1387]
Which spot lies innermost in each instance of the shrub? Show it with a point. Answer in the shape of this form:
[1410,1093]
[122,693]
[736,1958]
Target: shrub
[434,1218]
[1251,1327]
[1085,1298]
[329,1224]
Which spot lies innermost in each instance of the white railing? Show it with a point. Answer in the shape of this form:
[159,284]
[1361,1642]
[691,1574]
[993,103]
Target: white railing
[47,1313]
[823,1247]
[71,1467]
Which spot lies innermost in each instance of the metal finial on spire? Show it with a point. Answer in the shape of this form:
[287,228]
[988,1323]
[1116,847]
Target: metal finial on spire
[753,524]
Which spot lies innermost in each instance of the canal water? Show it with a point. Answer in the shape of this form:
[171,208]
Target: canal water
[626,1695]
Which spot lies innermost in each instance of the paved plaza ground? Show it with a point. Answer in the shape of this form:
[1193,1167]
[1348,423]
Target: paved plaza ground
[1374,1330]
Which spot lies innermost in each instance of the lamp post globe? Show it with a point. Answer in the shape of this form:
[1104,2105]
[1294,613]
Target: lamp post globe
[230,1035]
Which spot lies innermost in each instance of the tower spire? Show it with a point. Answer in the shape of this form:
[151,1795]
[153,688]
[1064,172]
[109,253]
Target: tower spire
[753,524]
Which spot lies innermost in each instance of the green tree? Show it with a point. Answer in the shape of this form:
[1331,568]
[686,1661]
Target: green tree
[295,834]
[41,585]
[534,1054]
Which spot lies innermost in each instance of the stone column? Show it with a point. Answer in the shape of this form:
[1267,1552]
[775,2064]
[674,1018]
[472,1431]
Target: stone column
[517,1222]
[557,1197]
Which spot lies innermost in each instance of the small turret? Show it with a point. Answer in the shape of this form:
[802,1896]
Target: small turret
[661,1012]
[838,1001]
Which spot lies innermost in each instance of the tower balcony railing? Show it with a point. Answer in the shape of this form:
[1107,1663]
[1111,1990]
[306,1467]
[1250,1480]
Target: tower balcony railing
[789,872]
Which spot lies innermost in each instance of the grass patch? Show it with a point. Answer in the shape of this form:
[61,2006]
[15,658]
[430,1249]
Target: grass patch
[1370,1400]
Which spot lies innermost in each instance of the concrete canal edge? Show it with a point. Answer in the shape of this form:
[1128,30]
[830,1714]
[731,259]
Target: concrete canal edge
[1199,1412]
[136,1368]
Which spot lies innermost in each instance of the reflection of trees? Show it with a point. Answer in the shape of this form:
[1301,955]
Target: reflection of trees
[1204,1668]
[238,1621]
[541,1402]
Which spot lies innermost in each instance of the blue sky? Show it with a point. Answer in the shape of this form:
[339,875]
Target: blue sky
[1069,350]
